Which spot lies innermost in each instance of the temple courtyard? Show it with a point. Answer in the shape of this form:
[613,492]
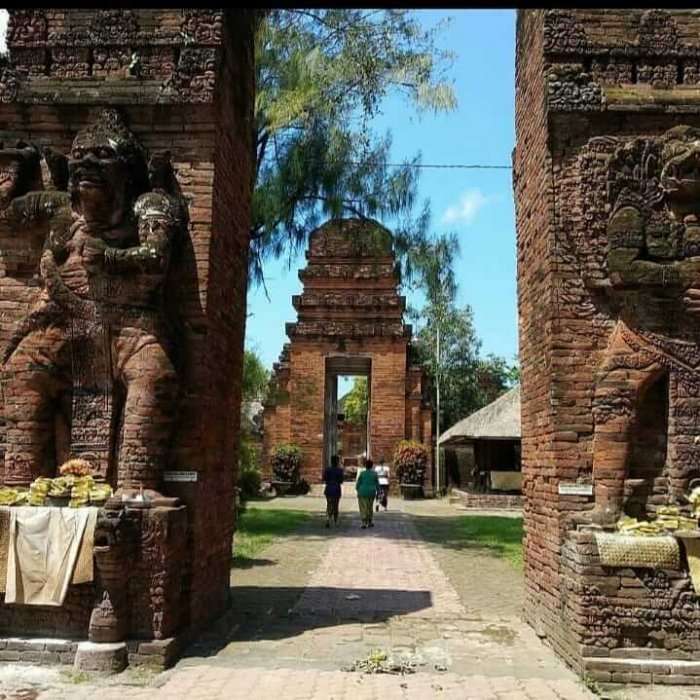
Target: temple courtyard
[417,593]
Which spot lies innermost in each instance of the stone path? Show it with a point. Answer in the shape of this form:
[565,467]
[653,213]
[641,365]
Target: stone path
[320,600]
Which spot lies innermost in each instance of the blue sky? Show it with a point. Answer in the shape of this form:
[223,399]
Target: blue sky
[477,205]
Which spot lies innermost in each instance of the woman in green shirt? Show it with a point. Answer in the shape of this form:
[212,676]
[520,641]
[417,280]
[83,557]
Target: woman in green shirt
[366,487]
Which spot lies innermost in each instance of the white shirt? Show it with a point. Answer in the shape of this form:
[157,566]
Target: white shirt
[382,473]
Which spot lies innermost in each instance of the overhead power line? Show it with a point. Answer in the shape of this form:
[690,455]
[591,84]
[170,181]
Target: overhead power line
[448,166]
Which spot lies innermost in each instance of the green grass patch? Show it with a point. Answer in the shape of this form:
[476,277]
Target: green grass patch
[492,534]
[258,528]
[501,536]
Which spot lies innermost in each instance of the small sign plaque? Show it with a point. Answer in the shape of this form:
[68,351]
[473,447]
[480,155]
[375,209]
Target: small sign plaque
[572,489]
[179,476]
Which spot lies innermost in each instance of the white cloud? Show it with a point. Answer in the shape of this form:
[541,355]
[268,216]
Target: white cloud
[466,209]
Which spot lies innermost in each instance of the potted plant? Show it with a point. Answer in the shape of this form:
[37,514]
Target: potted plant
[286,461]
[410,463]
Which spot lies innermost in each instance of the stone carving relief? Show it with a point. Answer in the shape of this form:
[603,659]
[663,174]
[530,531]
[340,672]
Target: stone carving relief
[113,27]
[27,28]
[195,75]
[92,359]
[569,89]
[640,252]
[203,26]
[658,32]
[9,81]
[562,33]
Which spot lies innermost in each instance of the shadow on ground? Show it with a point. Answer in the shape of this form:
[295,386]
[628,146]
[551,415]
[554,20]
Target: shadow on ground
[267,613]
[249,563]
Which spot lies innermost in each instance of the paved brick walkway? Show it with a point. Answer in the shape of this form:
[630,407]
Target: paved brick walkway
[320,600]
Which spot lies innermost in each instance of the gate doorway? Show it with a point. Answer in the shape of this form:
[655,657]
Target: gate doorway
[346,434]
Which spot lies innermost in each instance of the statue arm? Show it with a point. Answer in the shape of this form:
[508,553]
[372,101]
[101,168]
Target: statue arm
[627,270]
[151,257]
[35,208]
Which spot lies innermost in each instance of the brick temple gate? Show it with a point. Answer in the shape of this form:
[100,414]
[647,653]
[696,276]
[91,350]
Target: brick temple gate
[350,321]
[124,231]
[607,183]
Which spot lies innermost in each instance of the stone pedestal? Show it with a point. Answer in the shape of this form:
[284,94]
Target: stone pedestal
[101,657]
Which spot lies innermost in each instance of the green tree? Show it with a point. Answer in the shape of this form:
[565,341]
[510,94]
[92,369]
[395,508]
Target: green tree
[321,76]
[255,377]
[254,388]
[468,381]
[355,402]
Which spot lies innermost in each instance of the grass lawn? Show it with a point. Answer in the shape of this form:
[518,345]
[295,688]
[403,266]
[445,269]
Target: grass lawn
[258,528]
[492,534]
[501,536]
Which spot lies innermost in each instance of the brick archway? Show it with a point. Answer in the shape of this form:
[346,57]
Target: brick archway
[350,321]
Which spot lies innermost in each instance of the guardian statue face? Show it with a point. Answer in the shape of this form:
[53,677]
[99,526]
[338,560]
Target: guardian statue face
[107,171]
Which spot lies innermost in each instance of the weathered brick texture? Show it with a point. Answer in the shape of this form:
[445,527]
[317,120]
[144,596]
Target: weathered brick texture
[606,396]
[184,82]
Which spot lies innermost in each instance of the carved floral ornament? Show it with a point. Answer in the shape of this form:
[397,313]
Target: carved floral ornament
[203,26]
[562,33]
[27,28]
[658,32]
[569,89]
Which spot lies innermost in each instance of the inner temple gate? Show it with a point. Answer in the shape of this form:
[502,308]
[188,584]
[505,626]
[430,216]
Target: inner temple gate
[350,322]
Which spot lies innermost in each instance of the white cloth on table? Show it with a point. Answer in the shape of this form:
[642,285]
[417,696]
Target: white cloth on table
[43,548]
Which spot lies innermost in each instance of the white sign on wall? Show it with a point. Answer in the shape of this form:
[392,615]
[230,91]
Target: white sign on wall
[573,489]
[179,476]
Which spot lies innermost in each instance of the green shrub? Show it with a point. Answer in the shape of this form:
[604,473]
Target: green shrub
[249,483]
[410,462]
[286,462]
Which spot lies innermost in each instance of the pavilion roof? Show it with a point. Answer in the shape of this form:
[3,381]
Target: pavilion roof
[499,420]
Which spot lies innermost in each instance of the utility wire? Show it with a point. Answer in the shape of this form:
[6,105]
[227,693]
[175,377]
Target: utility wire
[445,166]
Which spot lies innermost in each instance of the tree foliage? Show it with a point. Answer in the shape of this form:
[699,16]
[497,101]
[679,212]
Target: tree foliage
[255,377]
[355,402]
[468,381]
[321,76]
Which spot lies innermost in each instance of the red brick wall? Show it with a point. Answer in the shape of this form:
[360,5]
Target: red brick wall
[533,191]
[306,400]
[208,133]
[582,74]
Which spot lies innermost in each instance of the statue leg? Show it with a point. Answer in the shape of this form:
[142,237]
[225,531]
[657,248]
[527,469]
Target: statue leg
[149,413]
[32,383]
[623,377]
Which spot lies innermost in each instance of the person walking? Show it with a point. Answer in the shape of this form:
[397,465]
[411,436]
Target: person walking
[366,487]
[333,478]
[383,478]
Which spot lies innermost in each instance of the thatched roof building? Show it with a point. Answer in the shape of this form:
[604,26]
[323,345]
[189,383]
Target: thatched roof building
[499,420]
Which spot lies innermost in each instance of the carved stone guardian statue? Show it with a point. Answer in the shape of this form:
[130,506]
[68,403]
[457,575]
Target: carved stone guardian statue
[97,341]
